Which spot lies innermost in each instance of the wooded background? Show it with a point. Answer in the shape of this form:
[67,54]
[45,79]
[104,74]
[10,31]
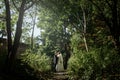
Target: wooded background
[87,32]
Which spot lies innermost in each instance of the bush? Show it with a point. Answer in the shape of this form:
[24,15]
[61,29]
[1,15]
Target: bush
[39,62]
[94,65]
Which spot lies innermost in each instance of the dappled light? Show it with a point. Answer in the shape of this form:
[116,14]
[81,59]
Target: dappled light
[59,39]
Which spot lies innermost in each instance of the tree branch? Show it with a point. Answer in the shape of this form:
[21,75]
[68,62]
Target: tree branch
[33,2]
[29,6]
[15,5]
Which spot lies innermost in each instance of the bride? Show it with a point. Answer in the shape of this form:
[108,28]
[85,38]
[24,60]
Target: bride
[59,66]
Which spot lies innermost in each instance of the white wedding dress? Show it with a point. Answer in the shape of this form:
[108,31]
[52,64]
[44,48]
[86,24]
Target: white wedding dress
[59,66]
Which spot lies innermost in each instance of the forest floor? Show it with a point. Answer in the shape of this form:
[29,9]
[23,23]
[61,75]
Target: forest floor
[53,76]
[60,76]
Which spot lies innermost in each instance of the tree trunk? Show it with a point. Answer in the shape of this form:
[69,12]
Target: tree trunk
[9,39]
[84,27]
[8,25]
[17,36]
[115,25]
[68,54]
[34,22]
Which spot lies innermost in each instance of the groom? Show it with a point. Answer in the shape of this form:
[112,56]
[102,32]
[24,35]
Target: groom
[55,60]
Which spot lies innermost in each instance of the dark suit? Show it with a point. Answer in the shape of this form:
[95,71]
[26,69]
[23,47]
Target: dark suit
[55,60]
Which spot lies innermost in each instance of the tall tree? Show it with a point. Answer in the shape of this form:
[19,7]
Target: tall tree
[34,17]
[24,5]
[8,25]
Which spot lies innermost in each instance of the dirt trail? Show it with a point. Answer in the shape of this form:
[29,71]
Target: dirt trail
[60,76]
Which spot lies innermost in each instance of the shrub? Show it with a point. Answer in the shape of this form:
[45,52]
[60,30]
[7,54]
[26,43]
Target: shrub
[95,64]
[39,62]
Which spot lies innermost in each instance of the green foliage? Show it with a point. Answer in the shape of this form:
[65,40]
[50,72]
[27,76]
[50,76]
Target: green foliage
[76,40]
[53,34]
[61,19]
[39,62]
[95,64]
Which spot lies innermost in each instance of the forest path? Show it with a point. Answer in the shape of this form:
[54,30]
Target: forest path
[60,75]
